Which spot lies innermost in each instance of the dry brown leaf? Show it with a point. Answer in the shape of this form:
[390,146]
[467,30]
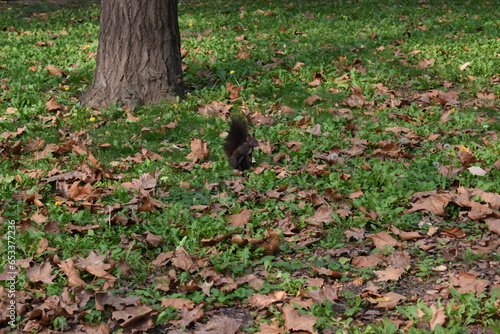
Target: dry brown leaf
[220,324]
[467,282]
[474,170]
[53,71]
[297,66]
[42,246]
[183,260]
[356,99]
[94,264]
[136,317]
[322,215]
[382,239]
[205,288]
[491,198]
[216,109]
[39,218]
[199,150]
[464,66]
[53,105]
[151,240]
[430,202]
[313,98]
[294,145]
[445,116]
[96,329]
[40,273]
[68,267]
[389,300]
[272,242]
[399,259]
[357,194]
[272,328]
[328,292]
[406,235]
[178,303]
[234,91]
[354,233]
[316,130]
[327,272]
[493,224]
[240,219]
[449,170]
[9,134]
[106,298]
[316,82]
[189,316]
[425,63]
[296,321]
[261,301]
[371,260]
[438,317]
[390,274]
[131,117]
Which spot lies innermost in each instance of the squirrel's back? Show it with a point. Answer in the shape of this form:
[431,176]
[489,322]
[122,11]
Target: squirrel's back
[238,134]
[239,145]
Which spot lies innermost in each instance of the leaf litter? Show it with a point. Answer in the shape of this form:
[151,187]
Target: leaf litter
[392,255]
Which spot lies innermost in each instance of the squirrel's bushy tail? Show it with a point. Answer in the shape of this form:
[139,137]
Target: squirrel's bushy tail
[239,145]
[238,134]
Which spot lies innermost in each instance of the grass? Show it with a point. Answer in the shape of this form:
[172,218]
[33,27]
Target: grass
[395,52]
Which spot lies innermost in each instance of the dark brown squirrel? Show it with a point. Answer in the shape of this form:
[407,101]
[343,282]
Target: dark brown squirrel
[239,145]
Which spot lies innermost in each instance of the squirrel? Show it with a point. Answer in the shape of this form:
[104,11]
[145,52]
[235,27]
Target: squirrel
[239,145]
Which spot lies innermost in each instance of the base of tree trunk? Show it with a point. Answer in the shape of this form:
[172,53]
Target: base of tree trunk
[138,58]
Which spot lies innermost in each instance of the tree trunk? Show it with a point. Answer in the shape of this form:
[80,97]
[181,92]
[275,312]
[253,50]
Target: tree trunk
[138,56]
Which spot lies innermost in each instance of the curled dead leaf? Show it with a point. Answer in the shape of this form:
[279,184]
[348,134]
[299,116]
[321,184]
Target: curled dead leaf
[199,150]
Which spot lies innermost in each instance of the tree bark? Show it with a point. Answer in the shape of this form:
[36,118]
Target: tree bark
[138,57]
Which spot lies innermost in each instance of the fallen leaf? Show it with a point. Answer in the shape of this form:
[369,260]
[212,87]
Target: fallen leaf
[382,239]
[199,150]
[430,202]
[371,260]
[178,303]
[438,317]
[68,267]
[313,98]
[493,225]
[54,71]
[40,273]
[389,300]
[136,317]
[467,282]
[474,170]
[106,298]
[296,321]
[240,219]
[357,194]
[464,66]
[390,274]
[261,301]
[272,328]
[425,63]
[323,214]
[220,324]
[272,242]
